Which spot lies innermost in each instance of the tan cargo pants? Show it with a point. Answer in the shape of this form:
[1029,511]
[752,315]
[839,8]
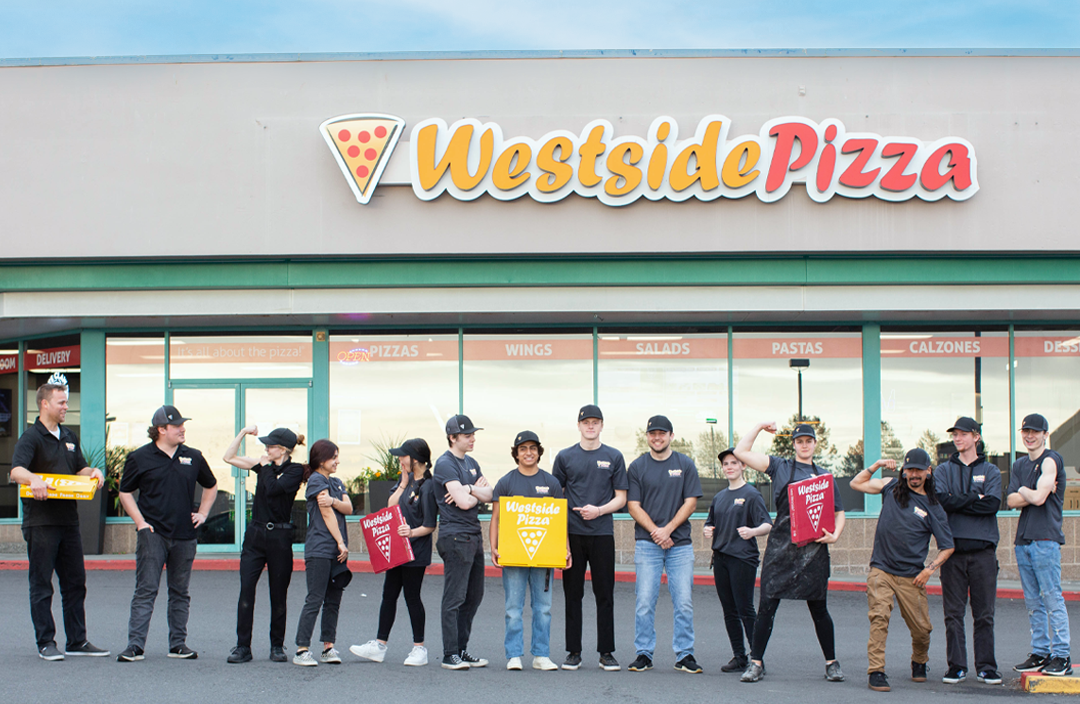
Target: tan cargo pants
[881,587]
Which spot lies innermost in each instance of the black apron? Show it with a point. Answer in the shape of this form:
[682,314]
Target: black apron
[789,571]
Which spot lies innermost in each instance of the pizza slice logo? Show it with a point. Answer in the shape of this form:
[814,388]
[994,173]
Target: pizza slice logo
[813,511]
[361,145]
[383,543]
[531,539]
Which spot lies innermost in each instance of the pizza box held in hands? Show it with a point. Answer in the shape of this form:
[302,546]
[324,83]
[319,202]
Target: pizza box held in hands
[385,547]
[64,486]
[812,512]
[532,532]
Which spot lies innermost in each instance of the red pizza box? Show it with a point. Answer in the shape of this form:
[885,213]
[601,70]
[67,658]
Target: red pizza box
[812,512]
[385,547]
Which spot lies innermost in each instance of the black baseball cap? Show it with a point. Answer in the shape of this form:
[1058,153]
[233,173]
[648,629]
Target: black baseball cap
[1035,421]
[967,425]
[659,423]
[916,459]
[167,415]
[725,453]
[280,436]
[803,430]
[417,448]
[590,411]
[526,436]
[460,425]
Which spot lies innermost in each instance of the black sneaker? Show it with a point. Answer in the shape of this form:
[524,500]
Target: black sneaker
[918,671]
[989,677]
[50,652]
[641,663]
[753,673]
[688,664]
[736,664]
[879,682]
[608,663]
[1058,667]
[454,662]
[955,675]
[277,654]
[130,654]
[472,661]
[183,652]
[1034,663]
[239,654]
[87,649]
[572,662]
[833,673]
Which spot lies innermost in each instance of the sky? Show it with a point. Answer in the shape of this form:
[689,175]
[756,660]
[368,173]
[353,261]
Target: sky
[67,28]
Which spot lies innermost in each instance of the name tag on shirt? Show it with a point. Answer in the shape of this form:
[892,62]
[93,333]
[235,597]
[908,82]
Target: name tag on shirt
[185,460]
[70,446]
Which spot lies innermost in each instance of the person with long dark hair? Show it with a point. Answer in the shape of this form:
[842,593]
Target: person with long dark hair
[415,496]
[269,536]
[326,553]
[910,515]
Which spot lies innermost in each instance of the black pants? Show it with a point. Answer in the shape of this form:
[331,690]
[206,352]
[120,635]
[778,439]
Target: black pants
[323,595]
[598,551]
[56,549]
[409,580]
[823,625]
[734,580]
[271,549]
[973,573]
[463,587]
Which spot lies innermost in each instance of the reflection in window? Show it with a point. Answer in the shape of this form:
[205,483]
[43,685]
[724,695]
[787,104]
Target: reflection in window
[1048,382]
[266,357]
[9,430]
[134,389]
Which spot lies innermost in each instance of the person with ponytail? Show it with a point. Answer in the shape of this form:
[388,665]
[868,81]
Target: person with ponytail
[326,553]
[269,536]
[415,495]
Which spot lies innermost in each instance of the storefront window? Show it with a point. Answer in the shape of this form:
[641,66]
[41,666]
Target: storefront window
[683,377]
[788,377]
[268,357]
[1048,382]
[9,390]
[134,388]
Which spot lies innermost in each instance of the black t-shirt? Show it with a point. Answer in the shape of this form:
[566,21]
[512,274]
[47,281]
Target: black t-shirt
[590,477]
[661,488]
[785,471]
[1039,522]
[454,520]
[903,535]
[166,487]
[540,485]
[275,491]
[419,509]
[732,509]
[41,452]
[319,542]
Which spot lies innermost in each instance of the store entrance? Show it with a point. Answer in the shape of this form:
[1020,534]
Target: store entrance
[220,410]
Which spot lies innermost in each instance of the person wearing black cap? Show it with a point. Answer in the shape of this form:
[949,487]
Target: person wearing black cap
[269,537]
[910,515]
[164,472]
[460,488]
[663,491]
[790,571]
[1037,488]
[51,526]
[415,496]
[736,517]
[593,476]
[527,481]
[969,489]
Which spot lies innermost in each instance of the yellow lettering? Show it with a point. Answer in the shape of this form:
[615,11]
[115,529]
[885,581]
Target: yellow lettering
[508,173]
[704,154]
[735,172]
[557,173]
[589,151]
[624,169]
[455,158]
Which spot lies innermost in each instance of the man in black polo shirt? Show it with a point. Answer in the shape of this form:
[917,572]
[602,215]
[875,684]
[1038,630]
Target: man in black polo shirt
[460,488]
[593,476]
[51,526]
[910,514]
[164,471]
[969,489]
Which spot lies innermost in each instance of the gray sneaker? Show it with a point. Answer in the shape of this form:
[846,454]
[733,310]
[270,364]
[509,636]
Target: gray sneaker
[50,652]
[330,656]
[753,673]
[88,649]
[304,658]
[833,673]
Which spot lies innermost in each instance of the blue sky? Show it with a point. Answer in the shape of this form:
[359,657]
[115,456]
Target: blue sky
[46,28]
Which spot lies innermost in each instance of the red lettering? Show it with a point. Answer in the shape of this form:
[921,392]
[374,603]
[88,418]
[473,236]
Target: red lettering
[827,162]
[959,169]
[853,176]
[786,134]
[896,180]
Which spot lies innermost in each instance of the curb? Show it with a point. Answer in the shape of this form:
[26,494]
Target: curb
[1038,683]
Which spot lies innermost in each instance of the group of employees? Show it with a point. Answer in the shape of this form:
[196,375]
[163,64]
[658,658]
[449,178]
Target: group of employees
[956,503]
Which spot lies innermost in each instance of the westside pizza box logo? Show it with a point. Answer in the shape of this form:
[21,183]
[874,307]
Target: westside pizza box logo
[532,532]
[386,548]
[64,486]
[812,513]
[362,144]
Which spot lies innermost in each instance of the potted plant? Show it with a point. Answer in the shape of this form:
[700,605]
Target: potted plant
[381,478]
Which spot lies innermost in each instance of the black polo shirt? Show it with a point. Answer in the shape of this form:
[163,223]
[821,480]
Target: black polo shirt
[275,491]
[166,487]
[41,452]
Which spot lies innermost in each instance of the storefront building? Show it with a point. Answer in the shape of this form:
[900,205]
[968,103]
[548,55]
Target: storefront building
[357,247]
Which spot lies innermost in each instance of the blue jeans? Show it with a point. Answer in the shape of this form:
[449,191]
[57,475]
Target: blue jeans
[1040,574]
[650,561]
[538,580]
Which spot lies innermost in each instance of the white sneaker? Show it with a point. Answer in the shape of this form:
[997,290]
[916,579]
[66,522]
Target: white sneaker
[372,650]
[304,658]
[513,664]
[330,656]
[542,662]
[417,656]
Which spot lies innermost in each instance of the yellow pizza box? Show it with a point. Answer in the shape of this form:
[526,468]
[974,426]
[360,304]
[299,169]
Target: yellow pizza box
[64,486]
[532,532]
